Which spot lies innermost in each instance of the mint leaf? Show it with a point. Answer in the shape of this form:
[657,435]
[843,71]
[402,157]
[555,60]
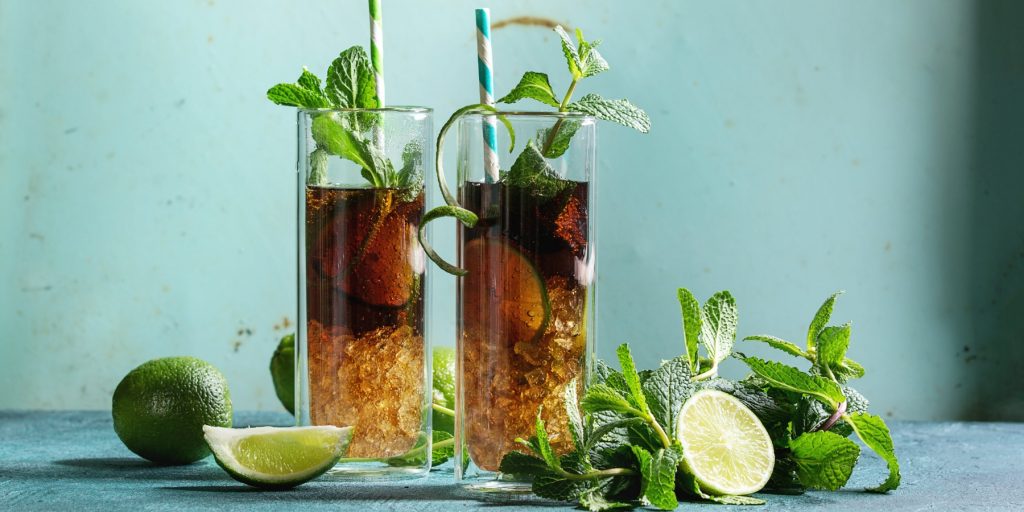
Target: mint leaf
[810,415]
[595,500]
[848,369]
[555,486]
[572,410]
[607,425]
[602,397]
[658,472]
[718,326]
[572,56]
[557,146]
[410,176]
[521,464]
[350,80]
[617,111]
[310,82]
[821,317]
[875,434]
[295,96]
[442,447]
[691,325]
[331,136]
[779,343]
[541,443]
[533,85]
[318,167]
[824,460]
[530,171]
[636,392]
[591,62]
[832,343]
[667,389]
[788,378]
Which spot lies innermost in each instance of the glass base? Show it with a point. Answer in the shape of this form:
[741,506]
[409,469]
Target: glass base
[357,471]
[498,486]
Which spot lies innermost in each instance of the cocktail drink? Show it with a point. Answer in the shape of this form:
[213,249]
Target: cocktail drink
[526,302]
[364,315]
[363,360]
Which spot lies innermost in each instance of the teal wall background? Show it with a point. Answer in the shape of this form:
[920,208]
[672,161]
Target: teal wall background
[798,148]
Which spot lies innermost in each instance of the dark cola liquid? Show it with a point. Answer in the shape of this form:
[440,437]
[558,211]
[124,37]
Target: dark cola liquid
[522,315]
[364,297]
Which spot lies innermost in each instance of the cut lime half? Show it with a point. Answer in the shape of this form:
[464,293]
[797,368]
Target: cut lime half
[277,457]
[725,447]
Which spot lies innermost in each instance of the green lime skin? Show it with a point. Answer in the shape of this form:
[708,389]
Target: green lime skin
[160,408]
[282,370]
[444,387]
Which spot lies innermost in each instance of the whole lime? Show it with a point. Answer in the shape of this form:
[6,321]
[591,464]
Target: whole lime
[282,370]
[444,387]
[160,408]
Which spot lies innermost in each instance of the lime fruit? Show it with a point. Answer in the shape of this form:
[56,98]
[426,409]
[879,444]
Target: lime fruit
[277,457]
[503,292]
[160,408]
[725,447]
[282,370]
[444,387]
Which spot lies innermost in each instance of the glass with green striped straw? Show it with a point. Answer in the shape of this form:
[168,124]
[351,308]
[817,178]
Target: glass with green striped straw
[362,353]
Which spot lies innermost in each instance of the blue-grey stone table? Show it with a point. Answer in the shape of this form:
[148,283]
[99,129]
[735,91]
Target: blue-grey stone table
[70,461]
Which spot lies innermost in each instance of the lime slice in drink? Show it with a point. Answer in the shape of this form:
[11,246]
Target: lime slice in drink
[503,292]
[725,446]
[276,457]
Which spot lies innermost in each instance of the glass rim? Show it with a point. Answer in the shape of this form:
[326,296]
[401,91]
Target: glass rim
[532,113]
[407,109]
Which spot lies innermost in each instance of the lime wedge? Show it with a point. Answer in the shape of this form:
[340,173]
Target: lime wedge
[725,446]
[276,457]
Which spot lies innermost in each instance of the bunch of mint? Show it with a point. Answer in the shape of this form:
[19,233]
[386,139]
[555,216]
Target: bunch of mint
[349,85]
[627,454]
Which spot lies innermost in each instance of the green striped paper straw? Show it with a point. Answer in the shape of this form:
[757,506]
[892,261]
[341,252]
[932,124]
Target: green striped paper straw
[377,49]
[485,73]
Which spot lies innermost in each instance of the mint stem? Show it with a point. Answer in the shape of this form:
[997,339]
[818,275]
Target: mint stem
[657,428]
[443,410]
[835,417]
[558,124]
[603,473]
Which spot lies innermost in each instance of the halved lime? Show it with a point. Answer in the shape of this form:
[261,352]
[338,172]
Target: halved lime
[725,447]
[277,457]
[503,292]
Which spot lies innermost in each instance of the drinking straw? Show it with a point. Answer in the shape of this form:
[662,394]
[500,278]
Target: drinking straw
[377,49]
[485,73]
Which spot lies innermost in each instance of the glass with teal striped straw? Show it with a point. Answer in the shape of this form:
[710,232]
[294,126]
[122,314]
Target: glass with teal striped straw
[527,301]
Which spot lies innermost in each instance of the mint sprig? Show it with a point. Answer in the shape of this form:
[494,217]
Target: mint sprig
[349,85]
[625,448]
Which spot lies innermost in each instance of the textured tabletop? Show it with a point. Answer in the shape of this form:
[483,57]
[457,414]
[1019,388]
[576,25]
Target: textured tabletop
[74,461]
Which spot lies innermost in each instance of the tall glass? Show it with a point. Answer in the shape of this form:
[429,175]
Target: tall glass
[526,306]
[362,359]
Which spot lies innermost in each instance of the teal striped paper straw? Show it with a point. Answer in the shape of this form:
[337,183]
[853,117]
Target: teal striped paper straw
[485,73]
[377,49]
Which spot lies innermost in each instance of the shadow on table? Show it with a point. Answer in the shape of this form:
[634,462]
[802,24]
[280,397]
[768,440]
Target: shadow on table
[120,468]
[370,492]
